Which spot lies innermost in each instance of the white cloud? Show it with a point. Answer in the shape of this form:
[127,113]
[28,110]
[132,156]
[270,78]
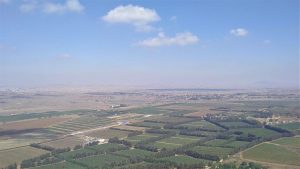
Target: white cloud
[48,7]
[239,32]
[68,6]
[65,56]
[173,18]
[28,5]
[180,39]
[267,41]
[5,2]
[138,16]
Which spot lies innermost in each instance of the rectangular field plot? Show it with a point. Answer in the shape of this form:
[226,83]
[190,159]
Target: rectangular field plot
[202,124]
[148,110]
[82,123]
[288,141]
[181,140]
[141,137]
[103,161]
[293,127]
[69,141]
[227,143]
[169,119]
[108,133]
[17,155]
[135,153]
[235,124]
[268,152]
[181,160]
[65,165]
[109,147]
[168,146]
[216,151]
[130,128]
[259,132]
[149,124]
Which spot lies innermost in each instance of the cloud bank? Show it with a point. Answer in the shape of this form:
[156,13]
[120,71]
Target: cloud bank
[181,39]
[239,32]
[137,16]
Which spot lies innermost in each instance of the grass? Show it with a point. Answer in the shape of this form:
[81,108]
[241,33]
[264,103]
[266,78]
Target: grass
[217,151]
[288,141]
[17,155]
[271,153]
[165,145]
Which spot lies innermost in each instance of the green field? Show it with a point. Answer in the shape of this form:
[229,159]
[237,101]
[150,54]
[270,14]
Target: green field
[135,153]
[288,141]
[17,155]
[108,133]
[179,139]
[294,127]
[217,151]
[229,143]
[271,153]
[142,137]
[181,159]
[148,110]
[109,147]
[235,124]
[165,145]
[149,124]
[65,165]
[259,132]
[103,161]
[201,124]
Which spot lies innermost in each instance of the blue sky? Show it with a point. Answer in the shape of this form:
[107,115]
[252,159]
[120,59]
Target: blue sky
[204,43]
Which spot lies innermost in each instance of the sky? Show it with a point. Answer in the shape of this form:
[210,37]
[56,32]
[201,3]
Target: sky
[183,44]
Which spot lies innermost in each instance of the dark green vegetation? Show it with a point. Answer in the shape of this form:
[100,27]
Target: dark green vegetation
[174,140]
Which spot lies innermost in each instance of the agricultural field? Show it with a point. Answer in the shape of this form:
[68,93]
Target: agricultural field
[69,141]
[109,147]
[288,141]
[108,133]
[169,119]
[234,124]
[259,132]
[12,143]
[79,124]
[293,127]
[221,152]
[130,128]
[65,165]
[226,143]
[135,153]
[102,161]
[273,153]
[148,110]
[180,140]
[148,124]
[201,124]
[17,155]
[182,159]
[142,137]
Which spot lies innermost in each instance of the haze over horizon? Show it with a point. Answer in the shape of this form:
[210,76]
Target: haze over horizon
[208,44]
